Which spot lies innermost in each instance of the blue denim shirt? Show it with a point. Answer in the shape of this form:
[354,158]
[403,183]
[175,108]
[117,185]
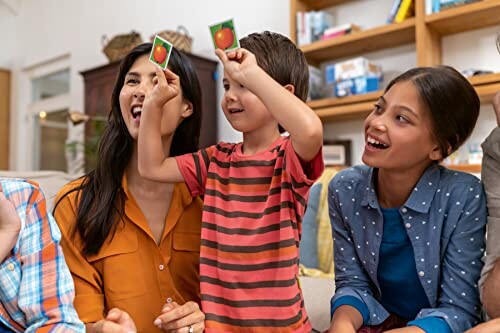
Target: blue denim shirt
[445,219]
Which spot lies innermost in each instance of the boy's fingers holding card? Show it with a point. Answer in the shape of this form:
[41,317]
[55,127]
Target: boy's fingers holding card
[221,55]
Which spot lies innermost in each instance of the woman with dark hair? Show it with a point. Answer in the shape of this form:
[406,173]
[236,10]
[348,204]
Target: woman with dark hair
[409,233]
[132,245]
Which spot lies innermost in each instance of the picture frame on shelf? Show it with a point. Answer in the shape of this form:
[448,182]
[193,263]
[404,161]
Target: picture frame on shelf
[337,152]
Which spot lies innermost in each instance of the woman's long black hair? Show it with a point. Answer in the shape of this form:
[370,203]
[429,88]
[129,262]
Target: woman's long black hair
[100,196]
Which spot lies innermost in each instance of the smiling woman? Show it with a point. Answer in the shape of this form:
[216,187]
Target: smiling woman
[132,244]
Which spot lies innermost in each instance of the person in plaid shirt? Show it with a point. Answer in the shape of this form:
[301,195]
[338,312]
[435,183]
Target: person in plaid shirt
[36,289]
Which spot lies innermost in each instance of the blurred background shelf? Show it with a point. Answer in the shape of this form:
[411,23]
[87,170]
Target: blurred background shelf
[358,106]
[426,31]
[465,18]
[472,168]
[387,36]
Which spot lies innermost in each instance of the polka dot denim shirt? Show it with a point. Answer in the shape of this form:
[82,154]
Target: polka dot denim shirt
[445,219]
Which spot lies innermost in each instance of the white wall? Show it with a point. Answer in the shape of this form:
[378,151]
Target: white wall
[53,28]
[9,34]
[50,29]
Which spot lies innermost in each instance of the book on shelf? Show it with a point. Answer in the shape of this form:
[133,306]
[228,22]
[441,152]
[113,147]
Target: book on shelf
[406,10]
[394,11]
[445,4]
[311,26]
[340,30]
[439,5]
[352,77]
[428,7]
[316,88]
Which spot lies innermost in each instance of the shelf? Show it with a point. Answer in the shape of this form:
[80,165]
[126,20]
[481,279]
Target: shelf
[465,18]
[336,101]
[478,80]
[383,37]
[350,107]
[358,106]
[487,91]
[322,4]
[486,86]
[472,168]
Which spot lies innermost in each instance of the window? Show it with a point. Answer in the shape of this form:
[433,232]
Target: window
[51,85]
[50,136]
[48,109]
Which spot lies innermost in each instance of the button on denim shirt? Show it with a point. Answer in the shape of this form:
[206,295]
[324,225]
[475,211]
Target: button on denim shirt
[444,217]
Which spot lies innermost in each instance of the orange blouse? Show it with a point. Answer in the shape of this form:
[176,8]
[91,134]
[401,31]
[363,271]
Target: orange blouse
[131,271]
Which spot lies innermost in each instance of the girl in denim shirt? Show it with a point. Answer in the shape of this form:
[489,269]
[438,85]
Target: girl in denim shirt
[409,233]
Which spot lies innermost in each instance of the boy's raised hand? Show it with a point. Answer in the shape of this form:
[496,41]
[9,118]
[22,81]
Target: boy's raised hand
[238,63]
[167,86]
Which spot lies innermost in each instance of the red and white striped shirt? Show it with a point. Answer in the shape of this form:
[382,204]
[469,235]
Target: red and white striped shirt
[253,208]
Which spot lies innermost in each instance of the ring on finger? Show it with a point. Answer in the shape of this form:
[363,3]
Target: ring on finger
[190,329]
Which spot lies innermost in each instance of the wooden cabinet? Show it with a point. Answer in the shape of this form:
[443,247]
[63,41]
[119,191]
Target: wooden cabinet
[99,83]
[4,118]
[426,31]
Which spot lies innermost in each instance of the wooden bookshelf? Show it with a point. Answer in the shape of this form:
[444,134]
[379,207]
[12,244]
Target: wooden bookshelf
[386,36]
[358,106]
[465,18]
[426,31]
[322,4]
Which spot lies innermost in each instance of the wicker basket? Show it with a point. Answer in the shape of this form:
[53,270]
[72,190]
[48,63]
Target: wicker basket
[180,38]
[116,48]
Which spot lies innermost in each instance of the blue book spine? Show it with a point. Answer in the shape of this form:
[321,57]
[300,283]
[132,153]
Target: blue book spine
[436,6]
[394,10]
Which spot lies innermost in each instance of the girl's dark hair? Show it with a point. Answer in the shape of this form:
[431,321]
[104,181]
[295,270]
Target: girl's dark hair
[452,102]
[100,196]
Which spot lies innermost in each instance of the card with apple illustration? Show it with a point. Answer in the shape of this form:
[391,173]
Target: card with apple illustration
[224,36]
[160,53]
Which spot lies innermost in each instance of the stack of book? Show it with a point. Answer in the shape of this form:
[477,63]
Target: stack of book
[435,6]
[312,25]
[401,10]
[340,30]
[354,76]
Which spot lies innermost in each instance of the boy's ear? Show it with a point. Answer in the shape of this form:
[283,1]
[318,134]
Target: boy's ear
[187,109]
[290,88]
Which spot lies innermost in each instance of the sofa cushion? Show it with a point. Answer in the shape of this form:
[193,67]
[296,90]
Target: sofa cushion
[50,181]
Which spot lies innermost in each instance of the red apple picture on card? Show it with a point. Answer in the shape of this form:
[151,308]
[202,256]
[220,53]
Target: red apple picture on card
[160,53]
[224,36]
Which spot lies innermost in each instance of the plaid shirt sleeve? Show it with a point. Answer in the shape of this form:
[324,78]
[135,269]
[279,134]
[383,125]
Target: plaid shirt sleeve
[36,288]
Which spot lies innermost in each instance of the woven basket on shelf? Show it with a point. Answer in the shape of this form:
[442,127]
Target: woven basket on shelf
[116,48]
[180,38]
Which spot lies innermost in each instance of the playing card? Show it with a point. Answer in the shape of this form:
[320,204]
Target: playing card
[160,53]
[224,36]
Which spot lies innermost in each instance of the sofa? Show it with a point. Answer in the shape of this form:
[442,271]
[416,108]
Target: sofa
[317,290]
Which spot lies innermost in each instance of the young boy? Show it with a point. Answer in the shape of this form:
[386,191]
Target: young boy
[36,289]
[255,192]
